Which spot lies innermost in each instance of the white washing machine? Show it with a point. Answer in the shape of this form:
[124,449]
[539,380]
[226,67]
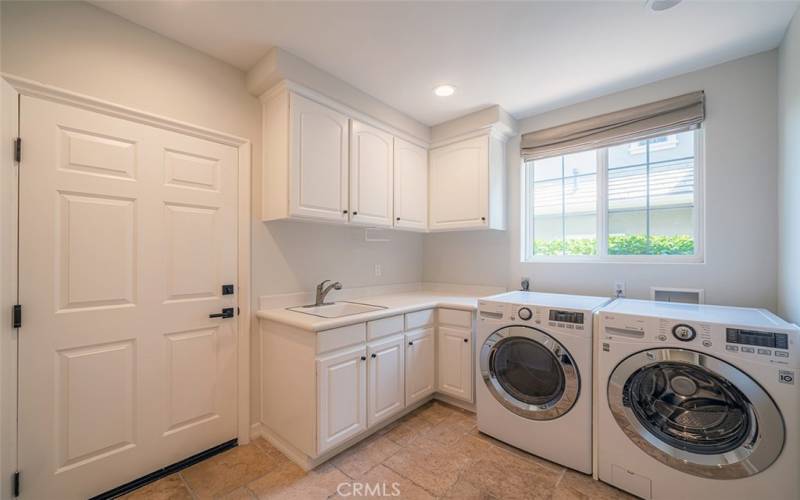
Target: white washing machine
[697,401]
[534,377]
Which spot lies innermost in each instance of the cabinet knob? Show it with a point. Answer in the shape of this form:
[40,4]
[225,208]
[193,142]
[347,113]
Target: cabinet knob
[483,219]
[411,342]
[466,340]
[398,218]
[374,355]
[355,213]
[344,211]
[363,358]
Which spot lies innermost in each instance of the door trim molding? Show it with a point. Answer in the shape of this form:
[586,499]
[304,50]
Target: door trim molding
[31,88]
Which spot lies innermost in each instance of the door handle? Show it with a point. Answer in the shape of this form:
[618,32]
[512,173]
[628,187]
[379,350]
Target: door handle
[226,313]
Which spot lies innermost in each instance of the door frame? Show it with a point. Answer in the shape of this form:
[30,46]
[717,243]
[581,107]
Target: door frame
[31,88]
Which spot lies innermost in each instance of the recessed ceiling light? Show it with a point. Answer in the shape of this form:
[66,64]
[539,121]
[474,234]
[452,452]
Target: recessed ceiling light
[444,90]
[659,5]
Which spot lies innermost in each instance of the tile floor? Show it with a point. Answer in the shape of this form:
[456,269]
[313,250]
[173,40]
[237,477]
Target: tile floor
[434,452]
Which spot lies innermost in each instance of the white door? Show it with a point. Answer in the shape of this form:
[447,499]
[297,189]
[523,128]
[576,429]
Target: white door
[319,161]
[127,233]
[455,362]
[386,379]
[371,159]
[410,186]
[420,375]
[459,185]
[342,387]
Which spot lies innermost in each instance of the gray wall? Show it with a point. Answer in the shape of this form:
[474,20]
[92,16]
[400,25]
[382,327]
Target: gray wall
[741,187]
[789,127]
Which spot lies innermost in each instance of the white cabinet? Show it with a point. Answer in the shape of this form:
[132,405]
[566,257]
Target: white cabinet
[467,184]
[420,363]
[371,160]
[386,378]
[410,186]
[342,396]
[455,362]
[306,164]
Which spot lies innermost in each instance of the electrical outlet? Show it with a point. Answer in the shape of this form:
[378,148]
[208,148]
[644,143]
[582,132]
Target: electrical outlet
[378,271]
[619,289]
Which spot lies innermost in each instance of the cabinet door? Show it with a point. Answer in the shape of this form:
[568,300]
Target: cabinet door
[410,186]
[319,161]
[386,379]
[459,185]
[455,362]
[420,375]
[342,394]
[371,180]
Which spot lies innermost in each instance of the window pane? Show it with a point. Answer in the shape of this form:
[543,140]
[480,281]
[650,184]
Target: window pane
[651,204]
[564,215]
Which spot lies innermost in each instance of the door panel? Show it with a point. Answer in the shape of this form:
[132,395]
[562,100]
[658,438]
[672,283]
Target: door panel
[127,233]
[459,190]
[386,379]
[342,386]
[455,362]
[319,166]
[420,374]
[410,185]
[371,180]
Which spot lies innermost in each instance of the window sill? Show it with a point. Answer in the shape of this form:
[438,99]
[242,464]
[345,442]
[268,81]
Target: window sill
[621,259]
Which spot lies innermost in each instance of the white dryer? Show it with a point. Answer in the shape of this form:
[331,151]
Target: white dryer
[698,401]
[534,377]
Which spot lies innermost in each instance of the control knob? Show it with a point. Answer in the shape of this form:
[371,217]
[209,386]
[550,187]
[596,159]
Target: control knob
[524,314]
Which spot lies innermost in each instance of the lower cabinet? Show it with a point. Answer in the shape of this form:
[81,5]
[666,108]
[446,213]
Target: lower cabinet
[386,378]
[455,362]
[342,396]
[420,364]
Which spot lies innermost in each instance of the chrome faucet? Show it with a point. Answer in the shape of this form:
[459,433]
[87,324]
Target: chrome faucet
[322,292]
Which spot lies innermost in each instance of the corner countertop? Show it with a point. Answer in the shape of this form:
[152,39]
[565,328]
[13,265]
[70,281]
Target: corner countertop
[395,304]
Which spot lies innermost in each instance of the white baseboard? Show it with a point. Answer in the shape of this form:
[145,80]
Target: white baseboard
[255,431]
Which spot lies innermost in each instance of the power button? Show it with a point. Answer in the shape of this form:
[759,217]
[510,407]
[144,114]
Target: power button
[524,314]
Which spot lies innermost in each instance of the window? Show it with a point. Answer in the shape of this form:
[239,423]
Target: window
[635,201]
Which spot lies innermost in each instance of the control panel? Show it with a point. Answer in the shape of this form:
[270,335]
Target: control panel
[542,316]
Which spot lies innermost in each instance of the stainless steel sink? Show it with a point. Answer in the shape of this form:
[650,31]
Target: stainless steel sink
[336,309]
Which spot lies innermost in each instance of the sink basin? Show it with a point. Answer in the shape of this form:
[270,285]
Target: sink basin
[336,309]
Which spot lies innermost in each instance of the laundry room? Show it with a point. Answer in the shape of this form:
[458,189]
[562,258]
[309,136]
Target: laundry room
[466,249]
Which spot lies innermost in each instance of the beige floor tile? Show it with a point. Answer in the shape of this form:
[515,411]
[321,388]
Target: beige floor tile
[516,451]
[317,484]
[451,429]
[574,485]
[364,456]
[241,493]
[464,490]
[382,482]
[429,464]
[435,412]
[407,429]
[167,488]
[227,471]
[510,480]
[282,476]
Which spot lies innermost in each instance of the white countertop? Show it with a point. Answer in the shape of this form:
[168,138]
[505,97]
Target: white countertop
[395,304]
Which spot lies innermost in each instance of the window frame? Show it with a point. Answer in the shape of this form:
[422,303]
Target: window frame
[602,256]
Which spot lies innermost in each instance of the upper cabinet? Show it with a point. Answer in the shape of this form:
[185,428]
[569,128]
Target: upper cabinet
[326,162]
[306,167]
[467,184]
[371,166]
[410,186]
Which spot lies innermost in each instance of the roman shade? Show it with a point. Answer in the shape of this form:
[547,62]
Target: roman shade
[669,116]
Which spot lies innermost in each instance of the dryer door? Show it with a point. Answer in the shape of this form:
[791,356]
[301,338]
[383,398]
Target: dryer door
[529,372]
[696,413]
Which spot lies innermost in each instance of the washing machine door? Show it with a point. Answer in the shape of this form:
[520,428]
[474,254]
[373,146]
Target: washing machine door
[529,372]
[696,413]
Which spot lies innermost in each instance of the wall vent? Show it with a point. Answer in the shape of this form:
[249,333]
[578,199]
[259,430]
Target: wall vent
[680,295]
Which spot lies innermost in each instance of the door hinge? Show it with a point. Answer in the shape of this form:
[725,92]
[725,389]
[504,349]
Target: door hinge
[16,316]
[16,484]
[18,149]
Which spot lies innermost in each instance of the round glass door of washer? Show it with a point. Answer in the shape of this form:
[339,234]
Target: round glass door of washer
[529,372]
[696,413]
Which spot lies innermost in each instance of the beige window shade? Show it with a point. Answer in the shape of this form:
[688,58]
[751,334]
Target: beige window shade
[677,114]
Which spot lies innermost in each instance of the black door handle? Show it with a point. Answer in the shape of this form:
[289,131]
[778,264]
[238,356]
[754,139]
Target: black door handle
[226,313]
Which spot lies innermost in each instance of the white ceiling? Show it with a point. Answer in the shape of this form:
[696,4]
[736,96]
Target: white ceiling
[527,57]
